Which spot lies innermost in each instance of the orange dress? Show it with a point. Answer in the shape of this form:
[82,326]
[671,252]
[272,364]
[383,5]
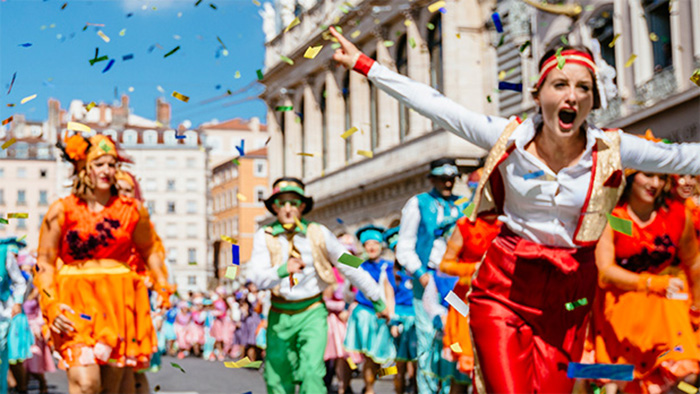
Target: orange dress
[695,212]
[461,259]
[648,330]
[108,302]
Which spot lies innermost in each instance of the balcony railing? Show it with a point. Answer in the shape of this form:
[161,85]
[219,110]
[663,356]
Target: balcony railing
[661,86]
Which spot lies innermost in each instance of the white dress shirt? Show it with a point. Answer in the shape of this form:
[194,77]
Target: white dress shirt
[265,276]
[545,209]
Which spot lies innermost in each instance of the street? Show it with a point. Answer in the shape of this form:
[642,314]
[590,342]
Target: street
[204,377]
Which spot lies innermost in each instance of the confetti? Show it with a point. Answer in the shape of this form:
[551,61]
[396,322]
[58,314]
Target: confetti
[350,260]
[9,143]
[180,96]
[86,317]
[260,74]
[90,106]
[28,98]
[105,146]
[157,388]
[456,302]
[128,57]
[349,132]
[212,6]
[355,34]
[25,45]
[365,153]
[241,197]
[63,7]
[462,200]
[12,82]
[677,296]
[299,224]
[305,154]
[180,136]
[103,36]
[283,108]
[561,61]
[631,60]
[488,98]
[108,66]
[221,42]
[533,175]
[98,59]
[687,388]
[436,6]
[241,148]
[122,32]
[20,239]
[653,37]
[467,211]
[78,127]
[516,87]
[256,2]
[388,371]
[242,363]
[4,221]
[17,215]
[228,239]
[312,52]
[231,272]
[293,23]
[412,42]
[351,363]
[6,121]
[176,365]
[497,22]
[388,43]
[695,78]
[600,371]
[456,348]
[564,40]
[197,3]
[620,225]
[612,43]
[570,306]
[172,51]
[287,60]
[524,46]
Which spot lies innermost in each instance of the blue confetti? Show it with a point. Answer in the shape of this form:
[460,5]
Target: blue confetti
[339,220]
[518,87]
[600,371]
[241,149]
[26,44]
[128,57]
[86,317]
[443,10]
[151,48]
[497,22]
[179,137]
[109,65]
[129,15]
[235,252]
[533,175]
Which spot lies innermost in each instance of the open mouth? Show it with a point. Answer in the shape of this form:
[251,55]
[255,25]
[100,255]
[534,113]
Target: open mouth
[566,118]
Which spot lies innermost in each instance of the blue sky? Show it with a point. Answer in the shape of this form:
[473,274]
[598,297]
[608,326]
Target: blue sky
[56,64]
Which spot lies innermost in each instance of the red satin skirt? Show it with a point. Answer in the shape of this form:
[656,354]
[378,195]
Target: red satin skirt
[523,335]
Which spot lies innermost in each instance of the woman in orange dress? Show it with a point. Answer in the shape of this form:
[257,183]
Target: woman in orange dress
[684,188]
[648,281]
[96,306]
[465,249]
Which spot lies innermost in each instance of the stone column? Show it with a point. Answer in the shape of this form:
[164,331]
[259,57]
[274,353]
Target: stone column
[359,107]
[418,70]
[641,45]
[681,38]
[623,50]
[312,130]
[335,116]
[292,136]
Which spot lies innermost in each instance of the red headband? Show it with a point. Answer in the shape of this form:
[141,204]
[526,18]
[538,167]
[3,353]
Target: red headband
[571,56]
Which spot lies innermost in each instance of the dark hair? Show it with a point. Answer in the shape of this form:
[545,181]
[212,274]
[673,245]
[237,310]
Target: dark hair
[552,50]
[660,202]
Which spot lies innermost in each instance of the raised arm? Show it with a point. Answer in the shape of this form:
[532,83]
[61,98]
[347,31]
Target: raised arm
[260,269]
[658,157]
[479,129]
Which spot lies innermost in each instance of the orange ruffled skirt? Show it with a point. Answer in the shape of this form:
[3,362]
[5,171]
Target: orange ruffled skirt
[650,331]
[111,315]
[457,331]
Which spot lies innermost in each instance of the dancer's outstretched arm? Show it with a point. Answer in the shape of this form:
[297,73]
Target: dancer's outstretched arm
[479,129]
[659,157]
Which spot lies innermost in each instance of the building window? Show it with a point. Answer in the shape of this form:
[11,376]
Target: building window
[435,49]
[191,162]
[192,256]
[21,150]
[171,207]
[150,162]
[43,152]
[260,194]
[151,206]
[43,197]
[150,137]
[260,168]
[191,230]
[602,30]
[130,137]
[402,68]
[659,21]
[192,280]
[170,185]
[191,206]
[324,127]
[2,172]
[191,138]
[191,184]
[171,230]
[43,172]
[171,162]
[172,255]
[2,196]
[348,115]
[151,185]
[234,225]
[300,114]
[41,219]
[21,172]
[21,197]
[169,137]
[21,224]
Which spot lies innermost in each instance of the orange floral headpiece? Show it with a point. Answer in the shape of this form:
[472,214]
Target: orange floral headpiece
[81,151]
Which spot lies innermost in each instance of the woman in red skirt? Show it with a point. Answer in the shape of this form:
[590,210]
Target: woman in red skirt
[552,178]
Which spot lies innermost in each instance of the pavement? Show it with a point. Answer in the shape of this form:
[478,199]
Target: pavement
[201,376]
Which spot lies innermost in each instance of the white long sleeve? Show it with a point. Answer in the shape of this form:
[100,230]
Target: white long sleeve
[649,156]
[408,235]
[260,270]
[481,130]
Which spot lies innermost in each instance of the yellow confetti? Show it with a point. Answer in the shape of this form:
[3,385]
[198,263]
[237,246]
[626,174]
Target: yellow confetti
[407,22]
[231,272]
[456,348]
[78,127]
[122,32]
[312,52]
[612,43]
[436,6]
[180,96]
[295,22]
[17,215]
[241,197]
[695,78]
[28,98]
[295,281]
[305,154]
[237,364]
[630,60]
[9,143]
[687,388]
[389,370]
[288,226]
[90,106]
[355,34]
[237,75]
[256,2]
[462,201]
[502,75]
[349,132]
[653,37]
[229,239]
[102,35]
[299,224]
[459,35]
[351,363]
[365,153]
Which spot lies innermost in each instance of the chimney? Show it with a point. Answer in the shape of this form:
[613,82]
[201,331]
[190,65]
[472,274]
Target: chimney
[54,121]
[125,102]
[163,112]
[120,115]
[103,113]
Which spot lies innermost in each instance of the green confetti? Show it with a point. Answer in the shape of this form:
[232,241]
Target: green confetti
[176,365]
[172,51]
[501,41]
[488,98]
[283,108]
[253,365]
[236,162]
[335,45]
[560,59]
[388,43]
[20,239]
[524,46]
[595,389]
[287,60]
[212,6]
[620,225]
[105,146]
[564,40]
[412,42]
[468,210]
[4,221]
[350,260]
[260,74]
[430,26]
[98,59]
[570,306]
[339,29]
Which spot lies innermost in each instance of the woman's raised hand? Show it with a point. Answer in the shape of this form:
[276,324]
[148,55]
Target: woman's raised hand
[348,53]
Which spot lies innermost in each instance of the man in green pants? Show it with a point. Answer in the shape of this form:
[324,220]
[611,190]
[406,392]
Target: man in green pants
[294,258]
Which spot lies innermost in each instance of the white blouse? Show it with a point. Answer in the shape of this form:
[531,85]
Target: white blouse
[545,209]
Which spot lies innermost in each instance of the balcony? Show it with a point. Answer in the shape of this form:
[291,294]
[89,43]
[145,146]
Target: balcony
[661,86]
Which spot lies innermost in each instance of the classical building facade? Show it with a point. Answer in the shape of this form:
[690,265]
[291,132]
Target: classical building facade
[237,194]
[459,52]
